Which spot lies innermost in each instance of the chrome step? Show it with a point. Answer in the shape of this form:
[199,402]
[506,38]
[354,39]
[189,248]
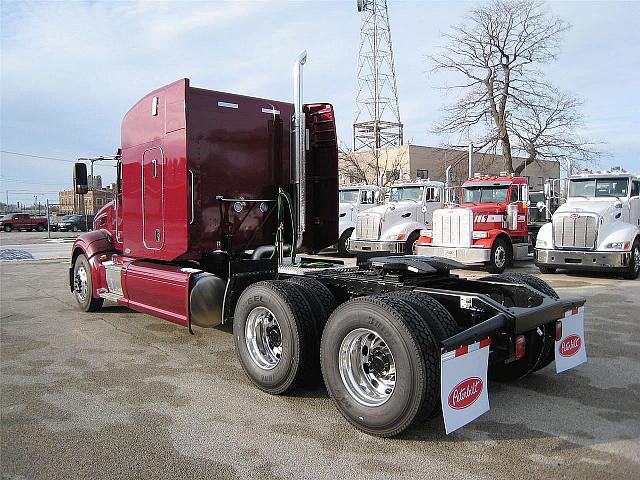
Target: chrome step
[114,297]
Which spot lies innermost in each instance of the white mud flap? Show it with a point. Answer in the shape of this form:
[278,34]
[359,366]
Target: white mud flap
[463,384]
[570,349]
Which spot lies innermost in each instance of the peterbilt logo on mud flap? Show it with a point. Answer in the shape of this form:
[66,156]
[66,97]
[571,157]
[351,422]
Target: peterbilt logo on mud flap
[465,393]
[570,346]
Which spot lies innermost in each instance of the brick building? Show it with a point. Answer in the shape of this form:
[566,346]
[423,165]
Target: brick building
[94,200]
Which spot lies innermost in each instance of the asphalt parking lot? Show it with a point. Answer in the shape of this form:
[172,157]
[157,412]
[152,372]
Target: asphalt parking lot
[120,394]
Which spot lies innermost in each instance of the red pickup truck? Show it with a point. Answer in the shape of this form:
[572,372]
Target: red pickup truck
[22,221]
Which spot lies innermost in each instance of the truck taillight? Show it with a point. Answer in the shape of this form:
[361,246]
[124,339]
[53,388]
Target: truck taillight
[520,346]
[558,330]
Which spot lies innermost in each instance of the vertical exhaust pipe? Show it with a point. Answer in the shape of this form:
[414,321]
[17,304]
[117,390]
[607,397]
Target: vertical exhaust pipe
[300,143]
[470,160]
[447,184]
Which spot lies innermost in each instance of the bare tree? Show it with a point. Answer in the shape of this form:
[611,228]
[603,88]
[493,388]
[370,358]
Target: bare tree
[545,128]
[379,167]
[496,51]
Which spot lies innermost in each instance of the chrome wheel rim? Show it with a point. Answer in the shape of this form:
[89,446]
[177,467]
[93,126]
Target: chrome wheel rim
[263,338]
[500,256]
[80,283]
[367,367]
[636,259]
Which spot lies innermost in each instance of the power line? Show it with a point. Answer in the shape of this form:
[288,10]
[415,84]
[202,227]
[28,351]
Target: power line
[37,156]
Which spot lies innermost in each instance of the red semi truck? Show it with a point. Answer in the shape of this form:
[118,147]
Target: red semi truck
[217,196]
[490,226]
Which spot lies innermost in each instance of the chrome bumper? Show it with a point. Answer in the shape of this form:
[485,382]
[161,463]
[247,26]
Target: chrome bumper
[376,246]
[579,260]
[465,255]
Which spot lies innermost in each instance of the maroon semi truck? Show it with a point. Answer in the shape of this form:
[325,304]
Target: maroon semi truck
[218,199]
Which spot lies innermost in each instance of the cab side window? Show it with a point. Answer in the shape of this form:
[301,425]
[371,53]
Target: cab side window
[515,194]
[635,188]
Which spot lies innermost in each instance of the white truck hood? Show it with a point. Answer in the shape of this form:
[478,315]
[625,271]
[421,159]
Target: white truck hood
[395,209]
[345,208]
[597,206]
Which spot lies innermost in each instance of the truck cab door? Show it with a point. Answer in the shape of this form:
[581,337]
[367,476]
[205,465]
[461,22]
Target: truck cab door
[634,203]
[153,198]
[432,202]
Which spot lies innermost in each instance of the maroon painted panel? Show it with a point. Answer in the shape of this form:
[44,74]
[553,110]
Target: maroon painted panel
[239,147]
[144,134]
[160,290]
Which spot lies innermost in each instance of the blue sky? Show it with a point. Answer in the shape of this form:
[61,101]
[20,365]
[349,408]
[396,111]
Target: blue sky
[70,70]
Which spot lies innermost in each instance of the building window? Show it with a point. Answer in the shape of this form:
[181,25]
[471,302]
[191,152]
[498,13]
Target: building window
[540,180]
[422,173]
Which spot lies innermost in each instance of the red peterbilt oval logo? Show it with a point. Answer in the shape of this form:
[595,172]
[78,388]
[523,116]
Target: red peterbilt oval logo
[575,215]
[465,393]
[570,345]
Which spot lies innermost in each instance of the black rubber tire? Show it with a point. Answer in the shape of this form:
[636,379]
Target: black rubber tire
[411,242]
[40,228]
[299,361]
[324,303]
[342,243]
[74,228]
[492,266]
[440,321]
[89,303]
[547,270]
[546,344]
[415,352]
[8,228]
[634,268]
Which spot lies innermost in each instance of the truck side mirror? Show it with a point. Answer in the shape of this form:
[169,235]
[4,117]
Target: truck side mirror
[540,206]
[80,181]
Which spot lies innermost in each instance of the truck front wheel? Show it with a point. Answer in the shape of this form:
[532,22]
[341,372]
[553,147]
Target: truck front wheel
[342,243]
[83,285]
[275,336]
[499,256]
[380,364]
[634,264]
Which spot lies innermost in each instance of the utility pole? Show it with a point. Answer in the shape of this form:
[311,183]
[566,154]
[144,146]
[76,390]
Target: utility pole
[377,118]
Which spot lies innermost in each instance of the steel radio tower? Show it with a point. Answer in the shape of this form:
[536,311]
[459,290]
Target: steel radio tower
[377,120]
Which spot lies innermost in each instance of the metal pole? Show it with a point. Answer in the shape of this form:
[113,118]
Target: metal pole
[48,221]
[470,160]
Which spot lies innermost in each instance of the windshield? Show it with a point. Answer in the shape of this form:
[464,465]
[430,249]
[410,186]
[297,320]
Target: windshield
[6,217]
[400,194]
[66,217]
[348,196]
[493,194]
[599,187]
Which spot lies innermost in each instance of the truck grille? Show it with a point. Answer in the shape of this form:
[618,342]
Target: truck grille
[368,226]
[452,227]
[575,231]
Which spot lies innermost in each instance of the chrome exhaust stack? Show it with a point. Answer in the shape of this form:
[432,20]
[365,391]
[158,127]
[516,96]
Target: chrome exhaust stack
[300,144]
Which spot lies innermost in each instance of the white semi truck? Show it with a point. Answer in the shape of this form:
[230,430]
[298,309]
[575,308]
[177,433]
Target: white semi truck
[598,228]
[395,227]
[354,199]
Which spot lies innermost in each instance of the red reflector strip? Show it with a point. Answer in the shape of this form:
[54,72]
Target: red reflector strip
[461,351]
[474,346]
[574,311]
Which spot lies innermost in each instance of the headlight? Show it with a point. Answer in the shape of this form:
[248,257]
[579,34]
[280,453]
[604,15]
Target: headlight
[426,233]
[617,245]
[480,234]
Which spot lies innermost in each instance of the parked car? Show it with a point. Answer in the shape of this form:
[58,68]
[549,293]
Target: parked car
[75,223]
[22,221]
